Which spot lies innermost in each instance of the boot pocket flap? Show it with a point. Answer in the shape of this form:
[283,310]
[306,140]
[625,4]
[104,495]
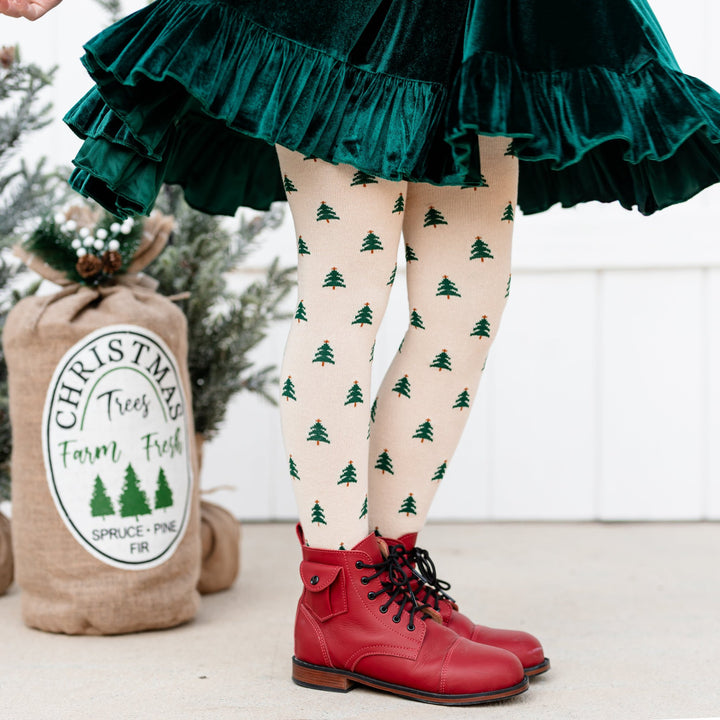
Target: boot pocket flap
[317,577]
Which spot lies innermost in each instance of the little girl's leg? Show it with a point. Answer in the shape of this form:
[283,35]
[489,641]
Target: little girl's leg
[348,231]
[458,245]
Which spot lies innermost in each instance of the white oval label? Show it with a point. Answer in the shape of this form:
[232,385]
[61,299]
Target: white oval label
[116,446]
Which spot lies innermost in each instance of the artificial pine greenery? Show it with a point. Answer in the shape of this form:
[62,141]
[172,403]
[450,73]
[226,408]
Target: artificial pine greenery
[27,192]
[223,326]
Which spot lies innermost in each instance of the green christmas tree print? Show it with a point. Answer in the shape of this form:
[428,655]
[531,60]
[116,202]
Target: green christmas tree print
[511,149]
[507,289]
[447,287]
[392,276]
[480,250]
[416,320]
[288,185]
[363,178]
[363,510]
[440,472]
[348,475]
[508,215]
[371,242]
[318,433]
[434,217]
[399,204]
[300,314]
[342,546]
[325,212]
[163,494]
[463,400]
[324,354]
[133,500]
[400,346]
[441,361]
[373,410]
[293,468]
[318,514]
[482,328]
[302,246]
[424,431]
[409,506]
[372,352]
[288,391]
[363,316]
[410,255]
[100,504]
[402,387]
[384,463]
[334,279]
[311,157]
[354,395]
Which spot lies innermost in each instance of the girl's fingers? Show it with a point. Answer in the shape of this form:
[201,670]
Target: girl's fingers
[30,9]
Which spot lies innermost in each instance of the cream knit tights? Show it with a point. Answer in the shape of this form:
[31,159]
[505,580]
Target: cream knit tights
[359,464]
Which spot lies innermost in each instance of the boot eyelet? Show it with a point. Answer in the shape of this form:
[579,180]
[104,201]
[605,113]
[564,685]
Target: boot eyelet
[383,609]
[359,564]
[364,580]
[371,595]
[410,627]
[396,618]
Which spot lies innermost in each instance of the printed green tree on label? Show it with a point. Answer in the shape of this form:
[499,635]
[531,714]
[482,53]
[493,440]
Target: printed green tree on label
[362,178]
[363,510]
[318,433]
[447,287]
[424,431]
[409,506]
[324,354]
[303,249]
[434,217]
[440,472]
[441,361]
[402,387]
[399,204]
[463,400]
[318,514]
[508,215]
[293,468]
[300,314]
[325,212]
[415,320]
[288,389]
[348,475]
[133,500]
[354,395]
[371,242]
[363,316]
[100,504]
[480,250]
[163,494]
[410,255]
[334,279]
[384,463]
[288,185]
[392,276]
[482,328]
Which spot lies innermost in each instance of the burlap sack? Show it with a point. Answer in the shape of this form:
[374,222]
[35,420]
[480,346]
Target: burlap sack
[6,555]
[220,536]
[106,520]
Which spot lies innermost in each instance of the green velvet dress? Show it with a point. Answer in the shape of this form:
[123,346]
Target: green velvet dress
[197,92]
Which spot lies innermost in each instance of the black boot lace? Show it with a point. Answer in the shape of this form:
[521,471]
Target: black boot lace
[427,585]
[397,579]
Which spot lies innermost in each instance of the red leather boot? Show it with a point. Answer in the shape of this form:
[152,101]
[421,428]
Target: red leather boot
[432,591]
[358,622]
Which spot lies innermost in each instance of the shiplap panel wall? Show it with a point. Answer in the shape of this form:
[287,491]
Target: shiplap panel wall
[601,398]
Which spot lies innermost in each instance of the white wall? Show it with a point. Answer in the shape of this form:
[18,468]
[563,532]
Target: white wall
[601,398]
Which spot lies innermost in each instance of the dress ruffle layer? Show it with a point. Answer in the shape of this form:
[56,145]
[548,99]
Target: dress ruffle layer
[196,93]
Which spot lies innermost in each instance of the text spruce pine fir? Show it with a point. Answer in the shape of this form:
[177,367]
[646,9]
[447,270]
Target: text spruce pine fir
[384,463]
[318,433]
[363,316]
[324,354]
[434,217]
[325,212]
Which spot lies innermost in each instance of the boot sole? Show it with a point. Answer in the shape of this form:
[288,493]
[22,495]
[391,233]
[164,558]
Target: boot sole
[543,667]
[334,680]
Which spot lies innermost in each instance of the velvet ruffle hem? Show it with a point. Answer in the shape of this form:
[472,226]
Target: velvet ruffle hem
[197,92]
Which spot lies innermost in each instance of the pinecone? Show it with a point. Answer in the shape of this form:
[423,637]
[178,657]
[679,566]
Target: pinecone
[89,265]
[111,261]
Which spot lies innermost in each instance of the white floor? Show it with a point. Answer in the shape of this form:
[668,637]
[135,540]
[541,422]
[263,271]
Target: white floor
[629,615]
